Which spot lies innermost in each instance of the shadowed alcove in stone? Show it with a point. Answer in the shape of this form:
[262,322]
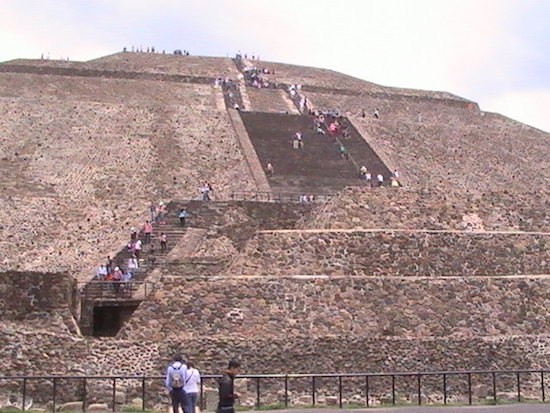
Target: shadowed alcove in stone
[110,317]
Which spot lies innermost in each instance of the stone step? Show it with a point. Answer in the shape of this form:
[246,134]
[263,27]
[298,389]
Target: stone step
[209,213]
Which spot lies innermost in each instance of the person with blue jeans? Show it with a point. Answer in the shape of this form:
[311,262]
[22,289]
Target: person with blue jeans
[192,382]
[175,383]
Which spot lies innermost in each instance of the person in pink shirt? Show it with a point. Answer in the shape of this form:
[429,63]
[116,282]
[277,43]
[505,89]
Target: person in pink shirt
[147,230]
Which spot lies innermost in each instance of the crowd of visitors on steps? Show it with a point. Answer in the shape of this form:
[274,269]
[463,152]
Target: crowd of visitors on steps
[255,77]
[328,122]
[120,275]
[230,90]
[253,56]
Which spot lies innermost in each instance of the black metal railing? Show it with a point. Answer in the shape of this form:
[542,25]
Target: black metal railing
[367,386]
[102,289]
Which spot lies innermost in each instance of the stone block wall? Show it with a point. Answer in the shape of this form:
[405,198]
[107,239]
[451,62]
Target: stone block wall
[51,352]
[82,158]
[393,253]
[393,103]
[28,295]
[288,324]
[24,86]
[411,208]
[361,307]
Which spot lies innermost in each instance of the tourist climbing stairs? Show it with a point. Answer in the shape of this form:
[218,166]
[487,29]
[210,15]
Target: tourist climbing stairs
[202,215]
[360,152]
[317,167]
[150,258]
[105,305]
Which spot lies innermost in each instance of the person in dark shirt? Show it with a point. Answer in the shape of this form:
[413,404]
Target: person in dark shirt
[226,391]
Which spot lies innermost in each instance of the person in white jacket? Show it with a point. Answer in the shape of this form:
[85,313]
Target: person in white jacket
[192,382]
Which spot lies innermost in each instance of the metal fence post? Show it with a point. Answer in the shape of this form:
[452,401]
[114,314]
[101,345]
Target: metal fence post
[257,392]
[542,386]
[54,394]
[519,387]
[494,387]
[84,393]
[201,401]
[143,392]
[393,389]
[24,397]
[444,389]
[340,391]
[313,390]
[470,388]
[419,389]
[114,393]
[286,390]
[367,390]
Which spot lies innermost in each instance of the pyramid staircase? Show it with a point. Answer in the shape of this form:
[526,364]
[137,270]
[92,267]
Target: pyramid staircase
[203,216]
[318,168]
[147,262]
[129,295]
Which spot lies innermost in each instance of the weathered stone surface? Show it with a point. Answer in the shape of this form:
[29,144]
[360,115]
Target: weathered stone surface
[331,400]
[136,402]
[211,397]
[435,208]
[39,296]
[57,204]
[396,253]
[362,307]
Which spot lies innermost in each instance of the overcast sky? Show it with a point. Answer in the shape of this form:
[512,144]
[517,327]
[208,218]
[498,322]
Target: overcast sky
[496,52]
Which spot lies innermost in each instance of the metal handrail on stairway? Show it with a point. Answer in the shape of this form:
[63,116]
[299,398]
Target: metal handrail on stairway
[115,290]
[271,196]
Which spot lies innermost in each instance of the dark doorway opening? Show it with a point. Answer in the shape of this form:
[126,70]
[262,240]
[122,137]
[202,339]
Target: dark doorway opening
[109,319]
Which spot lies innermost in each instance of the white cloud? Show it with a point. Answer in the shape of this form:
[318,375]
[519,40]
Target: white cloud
[526,106]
